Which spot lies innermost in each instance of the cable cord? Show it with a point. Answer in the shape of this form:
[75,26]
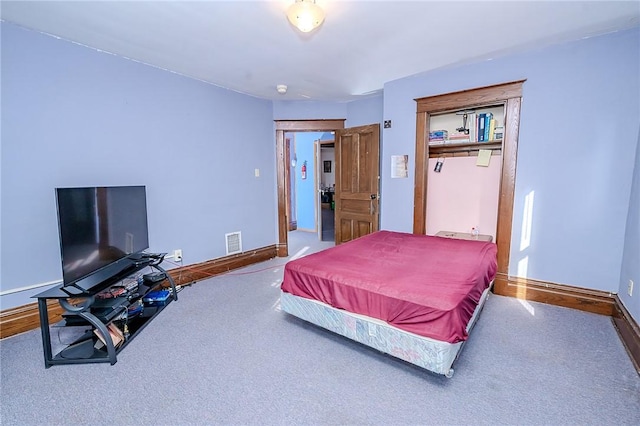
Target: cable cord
[206,275]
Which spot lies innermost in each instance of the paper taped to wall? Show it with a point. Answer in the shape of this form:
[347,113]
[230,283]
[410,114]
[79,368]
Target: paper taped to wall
[484,156]
[399,166]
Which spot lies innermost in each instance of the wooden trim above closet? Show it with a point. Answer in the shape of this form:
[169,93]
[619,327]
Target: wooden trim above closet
[470,98]
[508,94]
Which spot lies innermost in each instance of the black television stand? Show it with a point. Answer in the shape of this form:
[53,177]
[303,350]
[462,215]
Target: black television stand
[109,324]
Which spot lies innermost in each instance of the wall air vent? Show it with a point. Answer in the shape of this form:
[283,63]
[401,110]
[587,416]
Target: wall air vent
[234,242]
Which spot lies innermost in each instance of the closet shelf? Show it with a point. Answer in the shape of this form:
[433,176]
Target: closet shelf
[462,149]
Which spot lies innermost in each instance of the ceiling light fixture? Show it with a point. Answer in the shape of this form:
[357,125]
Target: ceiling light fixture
[281,88]
[305,15]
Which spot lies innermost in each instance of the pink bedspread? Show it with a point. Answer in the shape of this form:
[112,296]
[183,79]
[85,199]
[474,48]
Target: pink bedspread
[426,285]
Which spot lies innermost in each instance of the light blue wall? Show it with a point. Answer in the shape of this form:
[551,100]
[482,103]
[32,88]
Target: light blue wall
[578,137]
[72,116]
[631,256]
[308,110]
[365,111]
[305,188]
[356,113]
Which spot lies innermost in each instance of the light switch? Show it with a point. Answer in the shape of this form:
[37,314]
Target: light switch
[257,172]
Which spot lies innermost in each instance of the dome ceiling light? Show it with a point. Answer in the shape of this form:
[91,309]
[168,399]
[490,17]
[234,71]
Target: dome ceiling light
[305,15]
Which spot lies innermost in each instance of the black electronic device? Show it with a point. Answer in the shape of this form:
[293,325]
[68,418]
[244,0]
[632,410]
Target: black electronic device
[102,231]
[154,277]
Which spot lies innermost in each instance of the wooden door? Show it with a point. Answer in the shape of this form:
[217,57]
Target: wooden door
[357,194]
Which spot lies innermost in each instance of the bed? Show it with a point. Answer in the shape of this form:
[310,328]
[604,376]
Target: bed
[415,297]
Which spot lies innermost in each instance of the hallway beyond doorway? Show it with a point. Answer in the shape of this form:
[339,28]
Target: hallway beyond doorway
[328,223]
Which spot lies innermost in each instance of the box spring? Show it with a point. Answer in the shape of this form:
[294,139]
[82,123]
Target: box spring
[433,355]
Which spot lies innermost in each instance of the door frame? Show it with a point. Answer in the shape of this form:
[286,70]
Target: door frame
[319,170]
[317,204]
[283,171]
[291,211]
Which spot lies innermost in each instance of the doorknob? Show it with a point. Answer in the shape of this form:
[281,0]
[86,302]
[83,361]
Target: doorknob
[374,196]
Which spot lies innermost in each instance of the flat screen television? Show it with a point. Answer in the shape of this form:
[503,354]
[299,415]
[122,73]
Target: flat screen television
[102,229]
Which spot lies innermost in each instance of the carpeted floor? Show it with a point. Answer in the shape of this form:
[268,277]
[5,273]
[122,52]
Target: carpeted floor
[328,224]
[225,354]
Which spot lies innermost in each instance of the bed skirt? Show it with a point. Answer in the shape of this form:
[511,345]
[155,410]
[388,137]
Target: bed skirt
[433,355]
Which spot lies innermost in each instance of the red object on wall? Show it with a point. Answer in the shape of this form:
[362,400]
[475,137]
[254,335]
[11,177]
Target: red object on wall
[303,170]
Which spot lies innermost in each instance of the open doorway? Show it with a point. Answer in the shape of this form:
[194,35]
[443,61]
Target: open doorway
[326,171]
[357,178]
[284,170]
[311,160]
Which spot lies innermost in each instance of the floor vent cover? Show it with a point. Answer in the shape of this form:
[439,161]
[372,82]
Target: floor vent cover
[234,242]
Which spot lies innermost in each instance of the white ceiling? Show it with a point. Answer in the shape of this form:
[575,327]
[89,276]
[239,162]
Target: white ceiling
[250,47]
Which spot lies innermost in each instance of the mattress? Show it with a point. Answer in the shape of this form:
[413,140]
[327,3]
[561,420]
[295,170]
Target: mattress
[425,285]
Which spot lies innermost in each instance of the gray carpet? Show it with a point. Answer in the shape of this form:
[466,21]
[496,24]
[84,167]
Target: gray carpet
[328,224]
[225,354]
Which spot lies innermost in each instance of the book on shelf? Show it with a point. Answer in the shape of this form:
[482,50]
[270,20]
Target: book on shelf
[492,129]
[481,124]
[487,124]
[485,127]
[117,337]
[459,137]
[472,120]
[438,135]
[498,133]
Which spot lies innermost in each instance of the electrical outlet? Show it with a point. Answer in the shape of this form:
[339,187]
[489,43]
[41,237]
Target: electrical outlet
[630,288]
[177,255]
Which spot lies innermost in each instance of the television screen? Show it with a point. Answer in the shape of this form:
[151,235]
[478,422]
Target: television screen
[100,227]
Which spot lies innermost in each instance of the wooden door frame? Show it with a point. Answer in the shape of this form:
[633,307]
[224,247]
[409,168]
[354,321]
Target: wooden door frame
[509,94]
[293,223]
[320,168]
[282,169]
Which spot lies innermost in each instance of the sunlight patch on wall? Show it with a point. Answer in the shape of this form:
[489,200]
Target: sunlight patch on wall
[527,218]
[523,266]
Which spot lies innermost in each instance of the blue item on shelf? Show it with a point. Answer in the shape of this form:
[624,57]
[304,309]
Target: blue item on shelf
[135,309]
[156,298]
